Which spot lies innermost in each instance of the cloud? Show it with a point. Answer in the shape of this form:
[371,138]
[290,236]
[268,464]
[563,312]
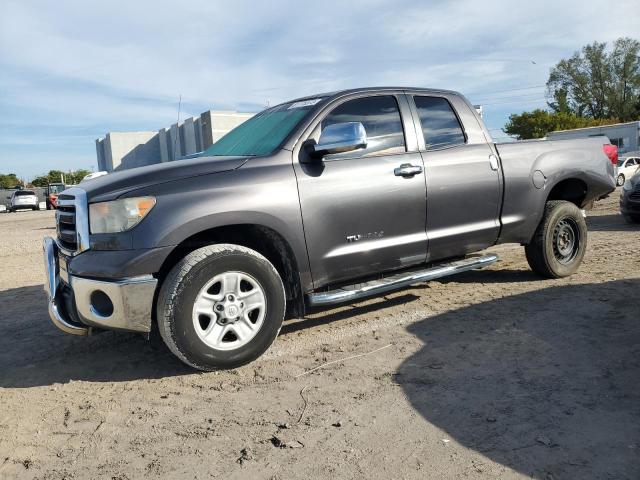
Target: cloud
[101,66]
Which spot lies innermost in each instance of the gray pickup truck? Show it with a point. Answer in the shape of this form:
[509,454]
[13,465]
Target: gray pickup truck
[314,202]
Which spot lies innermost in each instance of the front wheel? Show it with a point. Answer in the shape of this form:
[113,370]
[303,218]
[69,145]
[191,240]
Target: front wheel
[558,245]
[221,306]
[620,180]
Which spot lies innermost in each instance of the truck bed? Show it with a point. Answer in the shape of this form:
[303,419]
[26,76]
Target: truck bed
[532,168]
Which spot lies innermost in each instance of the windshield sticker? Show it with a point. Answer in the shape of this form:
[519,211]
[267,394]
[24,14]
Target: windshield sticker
[304,103]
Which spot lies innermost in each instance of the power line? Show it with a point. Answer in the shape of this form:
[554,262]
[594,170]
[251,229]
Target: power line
[532,100]
[509,97]
[507,90]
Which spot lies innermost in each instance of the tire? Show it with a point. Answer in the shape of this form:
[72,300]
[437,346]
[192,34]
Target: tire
[633,219]
[558,244]
[202,275]
[620,180]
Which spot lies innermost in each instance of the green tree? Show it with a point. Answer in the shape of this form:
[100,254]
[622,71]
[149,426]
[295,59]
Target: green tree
[76,176]
[9,180]
[539,122]
[72,177]
[55,176]
[597,82]
[40,181]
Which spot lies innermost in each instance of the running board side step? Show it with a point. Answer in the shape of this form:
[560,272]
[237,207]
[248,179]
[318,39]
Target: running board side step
[399,280]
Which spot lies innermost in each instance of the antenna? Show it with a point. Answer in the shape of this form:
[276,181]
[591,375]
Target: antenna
[175,137]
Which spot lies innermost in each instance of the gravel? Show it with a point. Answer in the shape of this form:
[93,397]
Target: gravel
[491,374]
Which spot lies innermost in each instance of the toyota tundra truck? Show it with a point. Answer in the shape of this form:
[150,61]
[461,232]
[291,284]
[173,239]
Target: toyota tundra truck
[319,201]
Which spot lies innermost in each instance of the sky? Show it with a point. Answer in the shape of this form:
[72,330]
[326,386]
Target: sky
[70,71]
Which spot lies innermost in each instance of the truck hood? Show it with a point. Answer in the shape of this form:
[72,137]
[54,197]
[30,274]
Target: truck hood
[116,184]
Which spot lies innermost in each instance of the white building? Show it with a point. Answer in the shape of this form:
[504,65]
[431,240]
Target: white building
[626,136]
[122,150]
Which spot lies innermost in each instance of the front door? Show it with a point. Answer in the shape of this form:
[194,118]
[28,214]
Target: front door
[463,181]
[361,215]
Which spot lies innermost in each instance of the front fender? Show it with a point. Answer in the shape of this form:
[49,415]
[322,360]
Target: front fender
[262,193]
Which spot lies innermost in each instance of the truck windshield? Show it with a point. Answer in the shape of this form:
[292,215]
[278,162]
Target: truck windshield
[262,134]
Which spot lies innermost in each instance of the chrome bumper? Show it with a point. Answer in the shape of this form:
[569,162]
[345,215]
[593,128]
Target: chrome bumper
[131,299]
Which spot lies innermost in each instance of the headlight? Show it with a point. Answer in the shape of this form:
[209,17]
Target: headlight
[119,215]
[627,185]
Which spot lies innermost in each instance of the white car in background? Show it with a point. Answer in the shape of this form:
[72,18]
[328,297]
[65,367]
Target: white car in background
[627,166]
[23,199]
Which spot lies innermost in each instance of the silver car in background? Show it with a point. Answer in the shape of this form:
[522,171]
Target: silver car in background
[23,199]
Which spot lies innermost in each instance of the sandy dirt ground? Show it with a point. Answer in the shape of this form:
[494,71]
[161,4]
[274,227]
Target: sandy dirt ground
[491,374]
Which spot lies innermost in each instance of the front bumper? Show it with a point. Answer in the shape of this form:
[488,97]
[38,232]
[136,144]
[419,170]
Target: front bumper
[77,305]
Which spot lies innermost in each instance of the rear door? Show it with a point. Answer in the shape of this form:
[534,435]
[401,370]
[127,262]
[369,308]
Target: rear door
[360,215]
[464,186]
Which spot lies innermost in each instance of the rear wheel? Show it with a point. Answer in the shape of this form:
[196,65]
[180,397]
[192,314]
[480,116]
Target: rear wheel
[620,180]
[221,307]
[558,245]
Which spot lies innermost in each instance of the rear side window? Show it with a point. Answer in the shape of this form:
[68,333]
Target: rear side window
[440,125]
[381,119]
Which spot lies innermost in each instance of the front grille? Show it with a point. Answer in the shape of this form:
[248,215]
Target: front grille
[635,195]
[72,221]
[66,222]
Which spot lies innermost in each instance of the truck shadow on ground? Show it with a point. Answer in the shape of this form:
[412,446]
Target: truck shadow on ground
[34,353]
[322,316]
[493,276]
[545,383]
[610,223]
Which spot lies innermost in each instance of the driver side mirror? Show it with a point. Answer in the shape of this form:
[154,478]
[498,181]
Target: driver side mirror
[339,138]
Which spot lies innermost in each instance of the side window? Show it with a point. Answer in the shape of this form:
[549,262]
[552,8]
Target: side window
[381,119]
[440,125]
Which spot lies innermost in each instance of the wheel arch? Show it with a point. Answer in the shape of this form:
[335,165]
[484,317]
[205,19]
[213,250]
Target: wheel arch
[264,240]
[571,189]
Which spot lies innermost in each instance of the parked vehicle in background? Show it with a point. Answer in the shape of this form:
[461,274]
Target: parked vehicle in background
[314,202]
[53,190]
[627,167]
[630,199]
[23,200]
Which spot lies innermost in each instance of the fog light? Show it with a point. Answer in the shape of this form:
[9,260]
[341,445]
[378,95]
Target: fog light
[101,303]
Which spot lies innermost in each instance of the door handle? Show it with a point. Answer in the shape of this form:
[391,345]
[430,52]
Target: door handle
[407,170]
[493,161]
